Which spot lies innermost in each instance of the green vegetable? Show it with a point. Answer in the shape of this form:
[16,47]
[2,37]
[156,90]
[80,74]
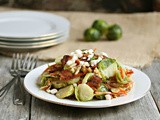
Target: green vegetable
[65,92]
[114,32]
[76,93]
[92,34]
[107,68]
[74,80]
[84,93]
[101,26]
[59,84]
[43,79]
[120,80]
[87,77]
[102,88]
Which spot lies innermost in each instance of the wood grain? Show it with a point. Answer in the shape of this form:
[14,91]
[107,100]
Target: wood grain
[36,109]
[154,74]
[7,109]
[143,109]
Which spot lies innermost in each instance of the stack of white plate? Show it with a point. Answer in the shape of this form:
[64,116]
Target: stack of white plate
[32,30]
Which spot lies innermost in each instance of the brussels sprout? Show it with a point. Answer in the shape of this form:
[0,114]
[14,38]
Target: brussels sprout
[87,77]
[102,88]
[92,34]
[65,92]
[119,78]
[74,80]
[76,93]
[114,32]
[107,68]
[43,79]
[84,92]
[101,26]
[59,84]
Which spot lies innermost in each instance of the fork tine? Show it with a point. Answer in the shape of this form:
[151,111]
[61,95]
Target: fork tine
[24,65]
[29,62]
[20,61]
[17,61]
[13,61]
[33,63]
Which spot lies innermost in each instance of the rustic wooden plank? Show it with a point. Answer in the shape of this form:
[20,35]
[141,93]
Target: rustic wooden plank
[7,109]
[143,109]
[154,73]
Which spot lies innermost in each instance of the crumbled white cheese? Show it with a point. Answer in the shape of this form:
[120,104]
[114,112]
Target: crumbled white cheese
[73,65]
[81,63]
[108,97]
[86,51]
[72,53]
[90,55]
[95,62]
[90,51]
[103,54]
[53,91]
[78,69]
[75,84]
[99,59]
[84,58]
[86,64]
[74,57]
[70,62]
[78,53]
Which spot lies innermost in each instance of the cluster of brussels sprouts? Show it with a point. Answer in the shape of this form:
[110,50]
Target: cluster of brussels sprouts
[101,28]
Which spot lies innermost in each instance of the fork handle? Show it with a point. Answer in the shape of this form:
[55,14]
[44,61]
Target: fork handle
[4,90]
[18,92]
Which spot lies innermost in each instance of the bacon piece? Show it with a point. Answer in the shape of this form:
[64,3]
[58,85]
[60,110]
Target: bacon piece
[94,82]
[65,59]
[78,62]
[79,75]
[66,75]
[53,68]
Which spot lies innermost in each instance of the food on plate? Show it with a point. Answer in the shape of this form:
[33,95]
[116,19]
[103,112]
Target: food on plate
[85,75]
[114,32]
[92,34]
[101,29]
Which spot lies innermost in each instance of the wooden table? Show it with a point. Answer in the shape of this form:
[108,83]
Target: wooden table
[147,108]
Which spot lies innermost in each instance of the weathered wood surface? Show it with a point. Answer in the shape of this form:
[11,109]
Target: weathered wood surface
[154,74]
[36,109]
[7,109]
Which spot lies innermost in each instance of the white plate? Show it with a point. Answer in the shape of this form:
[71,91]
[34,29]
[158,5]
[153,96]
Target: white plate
[32,46]
[141,86]
[33,42]
[30,24]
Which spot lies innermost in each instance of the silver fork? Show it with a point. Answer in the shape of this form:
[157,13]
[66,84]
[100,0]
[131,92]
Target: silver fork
[24,66]
[19,68]
[13,71]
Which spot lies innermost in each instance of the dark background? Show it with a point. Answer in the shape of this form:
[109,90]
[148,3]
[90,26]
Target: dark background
[118,6]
